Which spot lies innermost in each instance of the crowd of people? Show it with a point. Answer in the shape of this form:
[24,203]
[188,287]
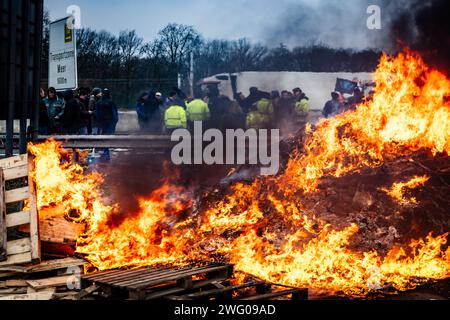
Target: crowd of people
[86,112]
[79,112]
[258,110]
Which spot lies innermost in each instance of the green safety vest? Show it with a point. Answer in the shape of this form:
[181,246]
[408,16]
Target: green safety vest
[197,110]
[175,118]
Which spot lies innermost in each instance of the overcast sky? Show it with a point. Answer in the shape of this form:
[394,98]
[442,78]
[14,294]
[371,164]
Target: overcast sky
[293,22]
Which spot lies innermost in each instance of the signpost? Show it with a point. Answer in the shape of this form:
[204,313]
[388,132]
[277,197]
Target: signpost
[62,73]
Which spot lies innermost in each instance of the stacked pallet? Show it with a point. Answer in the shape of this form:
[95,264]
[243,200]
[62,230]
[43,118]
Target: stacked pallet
[49,280]
[18,209]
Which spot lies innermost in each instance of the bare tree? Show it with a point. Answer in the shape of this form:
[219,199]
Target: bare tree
[130,48]
[245,56]
[154,54]
[177,41]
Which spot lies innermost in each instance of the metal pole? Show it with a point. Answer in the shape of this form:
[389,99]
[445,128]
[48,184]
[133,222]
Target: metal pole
[24,76]
[191,75]
[39,12]
[12,33]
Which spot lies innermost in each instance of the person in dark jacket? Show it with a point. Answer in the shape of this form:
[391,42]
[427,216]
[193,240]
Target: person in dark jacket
[94,98]
[248,102]
[150,115]
[106,114]
[44,120]
[83,99]
[142,115]
[70,118]
[283,109]
[54,106]
[333,106]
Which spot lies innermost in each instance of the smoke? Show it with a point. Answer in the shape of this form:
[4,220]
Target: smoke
[425,28]
[343,24]
[136,175]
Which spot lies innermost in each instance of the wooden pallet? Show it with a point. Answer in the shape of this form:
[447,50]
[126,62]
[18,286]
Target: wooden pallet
[251,291]
[47,280]
[27,249]
[154,283]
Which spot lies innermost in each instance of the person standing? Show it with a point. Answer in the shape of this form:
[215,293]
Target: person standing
[54,107]
[70,117]
[283,109]
[151,109]
[301,109]
[106,113]
[94,98]
[197,110]
[332,106]
[44,121]
[83,99]
[175,118]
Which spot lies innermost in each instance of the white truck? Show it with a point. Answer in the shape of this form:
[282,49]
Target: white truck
[316,85]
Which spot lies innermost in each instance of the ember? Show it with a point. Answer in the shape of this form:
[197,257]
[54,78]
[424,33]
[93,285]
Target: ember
[269,228]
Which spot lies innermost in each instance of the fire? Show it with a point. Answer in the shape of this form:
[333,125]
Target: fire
[397,191]
[263,227]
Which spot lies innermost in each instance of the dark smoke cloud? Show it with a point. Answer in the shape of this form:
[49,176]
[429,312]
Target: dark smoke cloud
[426,29]
[343,24]
[338,24]
[422,25]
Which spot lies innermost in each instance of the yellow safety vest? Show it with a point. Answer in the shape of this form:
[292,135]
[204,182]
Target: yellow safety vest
[197,110]
[265,106]
[175,118]
[302,108]
[257,120]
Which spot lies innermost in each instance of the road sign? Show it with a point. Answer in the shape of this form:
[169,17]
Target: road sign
[62,73]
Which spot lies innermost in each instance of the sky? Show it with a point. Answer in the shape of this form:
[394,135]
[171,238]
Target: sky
[271,22]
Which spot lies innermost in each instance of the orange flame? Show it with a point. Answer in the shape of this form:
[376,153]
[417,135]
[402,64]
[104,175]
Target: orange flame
[397,191]
[409,112]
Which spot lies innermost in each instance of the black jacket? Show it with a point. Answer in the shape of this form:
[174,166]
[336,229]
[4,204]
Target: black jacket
[71,119]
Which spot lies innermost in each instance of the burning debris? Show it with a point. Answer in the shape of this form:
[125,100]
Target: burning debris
[335,219]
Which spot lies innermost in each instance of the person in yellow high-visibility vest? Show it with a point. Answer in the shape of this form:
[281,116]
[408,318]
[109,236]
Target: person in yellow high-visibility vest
[197,110]
[175,118]
[262,115]
[301,109]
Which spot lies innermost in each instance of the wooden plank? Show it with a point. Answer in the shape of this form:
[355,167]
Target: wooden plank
[33,290]
[14,162]
[7,274]
[34,218]
[15,173]
[16,195]
[46,295]
[85,292]
[172,277]
[213,292]
[55,265]
[3,227]
[54,228]
[10,291]
[150,277]
[120,277]
[17,219]
[16,283]
[17,259]
[50,282]
[271,295]
[18,246]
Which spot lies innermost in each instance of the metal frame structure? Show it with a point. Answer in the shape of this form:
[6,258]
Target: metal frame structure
[20,64]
